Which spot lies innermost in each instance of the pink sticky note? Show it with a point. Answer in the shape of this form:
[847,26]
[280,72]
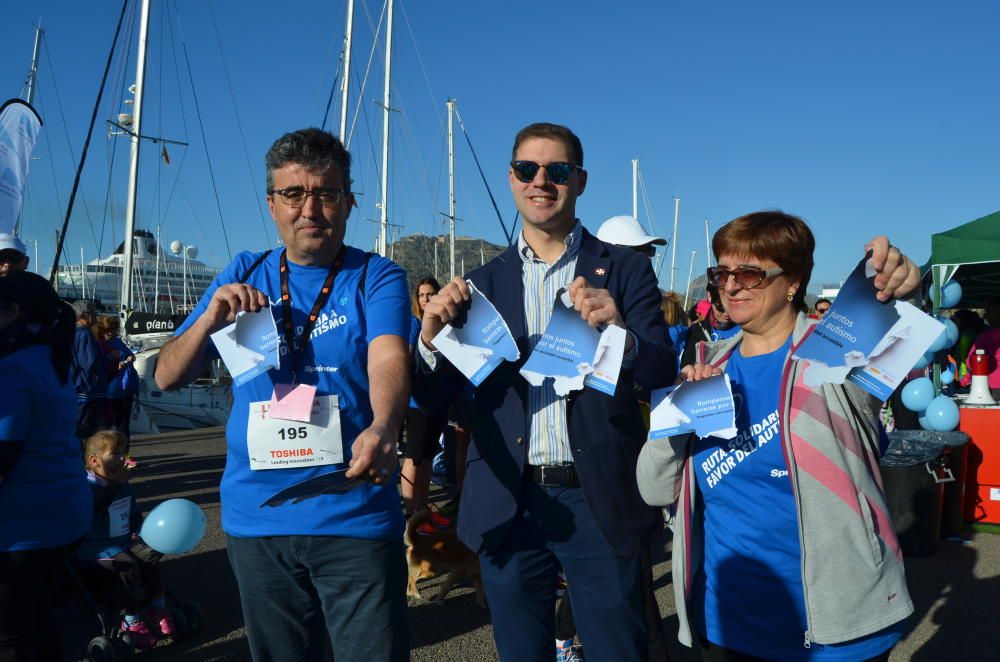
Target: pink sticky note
[292,402]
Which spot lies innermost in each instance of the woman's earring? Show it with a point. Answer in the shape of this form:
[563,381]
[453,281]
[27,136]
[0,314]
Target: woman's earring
[791,295]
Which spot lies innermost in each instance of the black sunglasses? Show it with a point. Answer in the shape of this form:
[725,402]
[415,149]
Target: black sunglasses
[557,172]
[747,277]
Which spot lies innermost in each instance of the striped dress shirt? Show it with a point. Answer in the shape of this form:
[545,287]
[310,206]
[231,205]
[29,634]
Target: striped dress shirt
[549,434]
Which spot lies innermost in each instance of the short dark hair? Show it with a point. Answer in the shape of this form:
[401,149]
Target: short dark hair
[313,149]
[772,235]
[819,301]
[551,132]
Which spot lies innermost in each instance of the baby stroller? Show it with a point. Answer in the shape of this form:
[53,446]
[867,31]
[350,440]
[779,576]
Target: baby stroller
[99,592]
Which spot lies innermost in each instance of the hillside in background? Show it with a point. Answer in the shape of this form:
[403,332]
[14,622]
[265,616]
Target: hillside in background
[416,252]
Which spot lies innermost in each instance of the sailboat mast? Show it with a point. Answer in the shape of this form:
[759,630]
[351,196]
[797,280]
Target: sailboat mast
[33,74]
[708,247]
[133,170]
[635,189]
[673,244]
[384,226]
[687,292]
[451,183]
[348,33]
[156,287]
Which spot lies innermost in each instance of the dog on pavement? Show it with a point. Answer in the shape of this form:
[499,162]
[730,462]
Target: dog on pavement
[439,553]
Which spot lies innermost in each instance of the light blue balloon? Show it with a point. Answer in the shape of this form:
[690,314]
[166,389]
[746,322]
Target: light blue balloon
[174,527]
[942,414]
[924,424]
[941,342]
[951,294]
[924,360]
[951,329]
[947,377]
[917,394]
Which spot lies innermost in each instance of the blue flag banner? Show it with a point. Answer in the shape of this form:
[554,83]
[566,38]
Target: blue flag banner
[479,340]
[19,128]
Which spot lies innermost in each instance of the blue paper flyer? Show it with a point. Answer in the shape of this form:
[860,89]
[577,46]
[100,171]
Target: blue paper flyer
[895,356]
[248,346]
[703,407]
[574,354]
[478,342]
[847,336]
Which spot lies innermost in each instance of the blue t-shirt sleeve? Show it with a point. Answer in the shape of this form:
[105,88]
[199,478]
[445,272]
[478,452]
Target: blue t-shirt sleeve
[14,414]
[414,331]
[387,306]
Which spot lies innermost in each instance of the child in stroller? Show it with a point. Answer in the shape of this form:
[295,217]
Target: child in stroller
[113,541]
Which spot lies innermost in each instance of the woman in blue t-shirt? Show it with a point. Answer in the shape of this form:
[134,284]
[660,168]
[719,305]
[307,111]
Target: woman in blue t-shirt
[783,546]
[44,498]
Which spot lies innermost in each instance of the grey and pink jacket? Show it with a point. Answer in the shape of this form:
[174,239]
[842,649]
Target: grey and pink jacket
[852,567]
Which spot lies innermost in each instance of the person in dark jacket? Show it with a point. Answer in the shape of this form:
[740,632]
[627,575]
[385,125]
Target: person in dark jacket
[88,371]
[44,500]
[715,326]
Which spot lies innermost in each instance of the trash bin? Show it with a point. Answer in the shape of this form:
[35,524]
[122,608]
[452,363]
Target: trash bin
[955,451]
[914,471]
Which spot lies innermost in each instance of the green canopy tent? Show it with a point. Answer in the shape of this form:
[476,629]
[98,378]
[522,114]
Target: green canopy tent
[969,254]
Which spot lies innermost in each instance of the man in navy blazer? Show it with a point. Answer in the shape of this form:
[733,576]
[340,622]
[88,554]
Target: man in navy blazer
[550,481]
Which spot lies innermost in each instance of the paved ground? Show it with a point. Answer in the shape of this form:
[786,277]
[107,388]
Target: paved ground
[957,591]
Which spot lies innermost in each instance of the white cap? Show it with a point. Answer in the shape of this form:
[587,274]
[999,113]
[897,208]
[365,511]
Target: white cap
[10,242]
[626,231]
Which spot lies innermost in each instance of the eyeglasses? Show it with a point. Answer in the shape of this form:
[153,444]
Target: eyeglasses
[557,172]
[822,310]
[746,277]
[296,197]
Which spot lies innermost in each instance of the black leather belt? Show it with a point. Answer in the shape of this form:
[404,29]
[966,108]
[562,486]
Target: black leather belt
[553,475]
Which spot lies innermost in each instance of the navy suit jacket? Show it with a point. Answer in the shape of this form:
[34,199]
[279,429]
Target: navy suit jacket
[605,432]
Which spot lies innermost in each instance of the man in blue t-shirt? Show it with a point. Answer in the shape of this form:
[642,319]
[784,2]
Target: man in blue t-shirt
[322,564]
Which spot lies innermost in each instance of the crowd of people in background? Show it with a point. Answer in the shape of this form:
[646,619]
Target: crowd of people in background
[561,496]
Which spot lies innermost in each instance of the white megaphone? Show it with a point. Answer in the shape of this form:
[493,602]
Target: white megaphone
[979,366]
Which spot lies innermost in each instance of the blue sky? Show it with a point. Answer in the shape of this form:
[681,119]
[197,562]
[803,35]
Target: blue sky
[861,117]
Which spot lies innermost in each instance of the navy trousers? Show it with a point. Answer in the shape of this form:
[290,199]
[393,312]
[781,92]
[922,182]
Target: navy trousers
[554,527]
[297,590]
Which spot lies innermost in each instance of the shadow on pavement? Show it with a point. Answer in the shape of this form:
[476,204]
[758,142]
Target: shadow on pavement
[967,609]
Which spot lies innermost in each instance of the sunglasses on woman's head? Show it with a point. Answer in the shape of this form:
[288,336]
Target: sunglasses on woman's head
[557,172]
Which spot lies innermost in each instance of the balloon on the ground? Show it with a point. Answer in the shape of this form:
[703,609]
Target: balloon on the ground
[951,294]
[924,424]
[924,360]
[942,414]
[174,527]
[917,394]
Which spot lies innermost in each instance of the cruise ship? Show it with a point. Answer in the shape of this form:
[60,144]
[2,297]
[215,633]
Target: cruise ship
[163,282]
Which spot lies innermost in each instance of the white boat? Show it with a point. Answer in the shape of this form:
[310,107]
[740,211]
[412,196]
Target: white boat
[162,283]
[203,403]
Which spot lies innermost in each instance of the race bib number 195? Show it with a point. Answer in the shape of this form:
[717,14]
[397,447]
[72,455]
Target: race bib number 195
[274,443]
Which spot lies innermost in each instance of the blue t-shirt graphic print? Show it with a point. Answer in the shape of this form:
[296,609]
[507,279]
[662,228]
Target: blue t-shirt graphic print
[748,593]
